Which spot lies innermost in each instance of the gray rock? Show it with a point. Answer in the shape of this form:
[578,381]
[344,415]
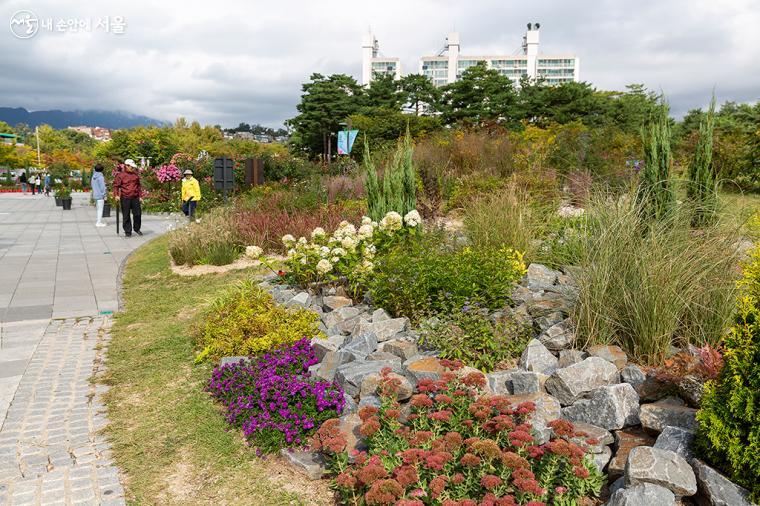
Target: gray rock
[633,375]
[717,490]
[540,276]
[282,296]
[353,325]
[387,329]
[234,360]
[350,375]
[329,365]
[525,382]
[370,400]
[570,383]
[603,436]
[401,348]
[301,299]
[619,484]
[678,440]
[424,367]
[558,336]
[691,389]
[371,383]
[500,382]
[660,467]
[570,357]
[537,358]
[656,416]
[521,316]
[610,407]
[612,354]
[544,323]
[351,406]
[602,458]
[334,318]
[547,409]
[333,302]
[313,464]
[363,344]
[323,345]
[380,315]
[645,494]
[383,355]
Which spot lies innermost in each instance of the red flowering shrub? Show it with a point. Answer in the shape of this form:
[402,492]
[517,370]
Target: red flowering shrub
[458,447]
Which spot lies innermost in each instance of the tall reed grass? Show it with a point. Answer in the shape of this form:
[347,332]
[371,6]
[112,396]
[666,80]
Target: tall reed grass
[214,241]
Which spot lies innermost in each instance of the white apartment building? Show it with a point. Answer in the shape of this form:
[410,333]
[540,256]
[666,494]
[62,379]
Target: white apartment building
[449,65]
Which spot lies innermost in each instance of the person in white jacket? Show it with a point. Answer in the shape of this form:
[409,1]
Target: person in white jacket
[98,183]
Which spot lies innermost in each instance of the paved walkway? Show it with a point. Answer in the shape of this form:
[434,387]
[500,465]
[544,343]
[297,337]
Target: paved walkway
[58,286]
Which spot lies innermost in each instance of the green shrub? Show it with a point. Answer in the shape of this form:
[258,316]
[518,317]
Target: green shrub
[647,285]
[427,275]
[213,241]
[246,320]
[702,187]
[397,190]
[469,335]
[562,242]
[655,193]
[729,421]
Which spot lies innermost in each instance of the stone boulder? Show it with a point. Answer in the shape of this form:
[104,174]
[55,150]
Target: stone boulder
[691,389]
[323,345]
[371,384]
[299,300]
[380,315]
[312,464]
[235,360]
[334,318]
[538,358]
[570,383]
[671,411]
[717,490]
[559,336]
[625,441]
[500,382]
[570,357]
[610,407]
[660,467]
[603,437]
[329,364]
[351,375]
[540,276]
[361,345]
[401,348]
[545,322]
[602,458]
[613,354]
[526,382]
[333,302]
[676,439]
[547,409]
[426,367]
[386,329]
[644,494]
[633,375]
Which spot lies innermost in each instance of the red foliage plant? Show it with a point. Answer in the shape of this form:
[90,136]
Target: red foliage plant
[457,447]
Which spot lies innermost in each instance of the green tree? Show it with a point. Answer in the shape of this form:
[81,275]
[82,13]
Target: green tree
[398,189]
[420,92]
[655,192]
[384,92]
[325,103]
[481,96]
[702,187]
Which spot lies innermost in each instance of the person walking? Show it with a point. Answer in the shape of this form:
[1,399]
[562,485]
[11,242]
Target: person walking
[33,182]
[98,184]
[126,189]
[39,183]
[191,194]
[47,184]
[22,179]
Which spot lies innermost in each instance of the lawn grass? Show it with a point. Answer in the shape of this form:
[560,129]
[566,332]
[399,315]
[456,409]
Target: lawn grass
[168,436]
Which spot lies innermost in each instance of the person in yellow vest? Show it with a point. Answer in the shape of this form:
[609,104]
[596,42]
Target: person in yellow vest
[191,194]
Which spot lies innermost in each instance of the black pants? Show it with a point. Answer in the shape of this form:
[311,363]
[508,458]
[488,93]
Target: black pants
[127,205]
[188,207]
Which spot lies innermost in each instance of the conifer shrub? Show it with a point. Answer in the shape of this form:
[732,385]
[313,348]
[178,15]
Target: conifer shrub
[397,191]
[729,421]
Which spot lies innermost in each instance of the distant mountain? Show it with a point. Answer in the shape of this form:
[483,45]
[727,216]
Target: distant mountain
[63,119]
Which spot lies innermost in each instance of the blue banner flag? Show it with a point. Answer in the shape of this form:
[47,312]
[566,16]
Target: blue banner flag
[346,140]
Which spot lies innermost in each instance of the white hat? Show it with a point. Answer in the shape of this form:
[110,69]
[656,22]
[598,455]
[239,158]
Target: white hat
[188,171]
[130,162]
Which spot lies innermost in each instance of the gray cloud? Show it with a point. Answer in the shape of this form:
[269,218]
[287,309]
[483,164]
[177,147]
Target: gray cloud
[238,60]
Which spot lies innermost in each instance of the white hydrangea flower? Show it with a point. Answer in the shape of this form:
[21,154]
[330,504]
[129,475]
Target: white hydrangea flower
[339,252]
[318,232]
[302,240]
[365,231]
[253,252]
[368,265]
[324,251]
[335,260]
[304,261]
[324,266]
[391,222]
[291,252]
[413,218]
[370,250]
[288,239]
[366,220]
[348,243]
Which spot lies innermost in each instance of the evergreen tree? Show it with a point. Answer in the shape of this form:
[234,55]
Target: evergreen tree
[655,193]
[702,188]
[399,184]
[420,93]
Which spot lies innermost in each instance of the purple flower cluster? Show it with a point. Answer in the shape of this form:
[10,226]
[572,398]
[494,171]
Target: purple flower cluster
[274,399]
[168,173]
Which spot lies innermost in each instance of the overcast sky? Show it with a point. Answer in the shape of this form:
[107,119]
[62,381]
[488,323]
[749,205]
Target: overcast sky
[228,61]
